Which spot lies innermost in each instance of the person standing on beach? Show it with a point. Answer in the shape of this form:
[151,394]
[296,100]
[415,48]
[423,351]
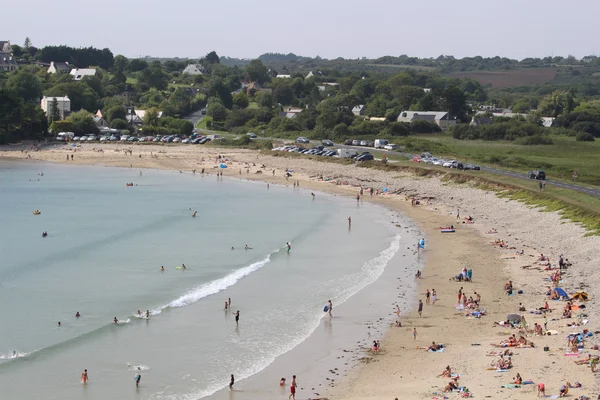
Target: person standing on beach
[293,388]
[357,197]
[313,195]
[231,382]
[229,301]
[237,318]
[414,333]
[460,294]
[427,295]
[458,213]
[289,247]
[84,376]
[349,222]
[420,307]
[330,308]
[545,322]
[433,297]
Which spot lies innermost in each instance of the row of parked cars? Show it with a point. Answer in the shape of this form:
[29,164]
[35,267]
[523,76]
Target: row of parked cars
[427,158]
[321,150]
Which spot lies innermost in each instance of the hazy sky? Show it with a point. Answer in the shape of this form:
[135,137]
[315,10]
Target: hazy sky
[328,28]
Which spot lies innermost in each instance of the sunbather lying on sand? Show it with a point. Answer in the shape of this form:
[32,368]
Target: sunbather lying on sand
[492,231]
[543,258]
[504,353]
[585,361]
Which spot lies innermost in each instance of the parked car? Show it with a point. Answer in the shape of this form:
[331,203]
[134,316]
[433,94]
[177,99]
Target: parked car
[185,140]
[365,157]
[356,143]
[176,139]
[475,167]
[142,139]
[251,135]
[416,159]
[381,143]
[302,139]
[319,147]
[428,160]
[104,138]
[91,138]
[348,142]
[327,142]
[364,143]
[539,175]
[439,162]
[114,138]
[76,138]
[448,164]
[426,155]
[390,146]
[457,165]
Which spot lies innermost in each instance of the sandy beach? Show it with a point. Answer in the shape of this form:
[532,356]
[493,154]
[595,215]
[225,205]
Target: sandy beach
[402,368]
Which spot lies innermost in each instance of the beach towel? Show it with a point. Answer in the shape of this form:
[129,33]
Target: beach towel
[437,351]
[511,386]
[527,383]
[501,370]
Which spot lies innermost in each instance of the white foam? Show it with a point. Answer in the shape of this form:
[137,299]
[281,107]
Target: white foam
[214,287]
[13,355]
[371,270]
[138,367]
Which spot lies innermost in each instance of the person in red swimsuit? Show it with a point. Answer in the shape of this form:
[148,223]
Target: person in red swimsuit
[293,388]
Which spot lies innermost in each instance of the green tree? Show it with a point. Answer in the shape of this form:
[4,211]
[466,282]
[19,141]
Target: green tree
[27,43]
[120,64]
[119,123]
[26,85]
[284,94]
[53,111]
[257,72]
[407,95]
[83,122]
[151,117]
[115,112]
[240,100]
[455,102]
[221,91]
[264,99]
[154,76]
[557,103]
[10,112]
[377,107]
[62,126]
[212,58]
[80,94]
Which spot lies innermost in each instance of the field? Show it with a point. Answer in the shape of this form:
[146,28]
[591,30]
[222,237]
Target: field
[500,79]
[558,160]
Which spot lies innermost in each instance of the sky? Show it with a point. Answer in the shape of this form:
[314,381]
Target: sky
[328,28]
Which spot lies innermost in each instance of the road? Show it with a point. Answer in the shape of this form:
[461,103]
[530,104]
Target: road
[583,189]
[195,117]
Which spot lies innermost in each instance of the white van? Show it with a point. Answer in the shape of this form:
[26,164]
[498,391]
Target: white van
[346,153]
[381,143]
[65,136]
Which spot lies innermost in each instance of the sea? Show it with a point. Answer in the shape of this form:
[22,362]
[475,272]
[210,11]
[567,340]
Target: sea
[103,255]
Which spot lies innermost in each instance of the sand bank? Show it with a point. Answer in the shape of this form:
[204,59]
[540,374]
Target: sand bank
[400,369]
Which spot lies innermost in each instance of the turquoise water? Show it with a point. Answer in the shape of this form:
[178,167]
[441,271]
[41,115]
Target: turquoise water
[102,258]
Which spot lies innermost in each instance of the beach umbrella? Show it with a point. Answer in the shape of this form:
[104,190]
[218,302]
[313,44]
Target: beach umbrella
[514,319]
[583,296]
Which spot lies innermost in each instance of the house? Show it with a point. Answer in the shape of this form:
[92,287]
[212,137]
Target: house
[283,76]
[323,86]
[63,104]
[137,116]
[256,87]
[441,118]
[56,66]
[477,121]
[80,73]
[427,90]
[7,61]
[359,110]
[289,115]
[194,69]
[101,122]
[309,75]
[547,122]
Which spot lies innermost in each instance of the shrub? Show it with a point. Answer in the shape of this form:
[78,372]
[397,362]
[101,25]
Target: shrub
[584,137]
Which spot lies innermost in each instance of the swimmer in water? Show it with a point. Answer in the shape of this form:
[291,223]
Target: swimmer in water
[116,321]
[58,323]
[137,379]
[282,382]
[247,248]
[231,382]
[77,315]
[289,246]
[232,248]
[139,314]
[183,266]
[162,268]
[237,318]
[84,376]
[226,306]
[147,314]
[194,214]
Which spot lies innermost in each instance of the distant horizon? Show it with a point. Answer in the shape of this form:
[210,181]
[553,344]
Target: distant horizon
[350,28]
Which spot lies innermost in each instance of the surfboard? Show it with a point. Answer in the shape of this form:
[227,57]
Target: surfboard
[326,308]
[179,267]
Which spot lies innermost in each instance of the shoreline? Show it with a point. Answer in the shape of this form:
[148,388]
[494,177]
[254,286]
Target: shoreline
[400,370]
